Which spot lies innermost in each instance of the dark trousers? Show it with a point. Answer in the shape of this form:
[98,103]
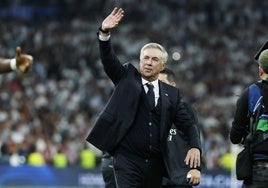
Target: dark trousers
[177,186]
[108,172]
[170,184]
[134,172]
[260,177]
[256,184]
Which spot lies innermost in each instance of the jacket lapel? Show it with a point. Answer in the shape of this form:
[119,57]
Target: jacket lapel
[164,97]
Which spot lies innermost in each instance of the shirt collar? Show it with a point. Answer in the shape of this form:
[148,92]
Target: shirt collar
[155,82]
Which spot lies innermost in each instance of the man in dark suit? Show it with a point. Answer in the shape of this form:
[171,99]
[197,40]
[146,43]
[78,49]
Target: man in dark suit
[136,121]
[176,139]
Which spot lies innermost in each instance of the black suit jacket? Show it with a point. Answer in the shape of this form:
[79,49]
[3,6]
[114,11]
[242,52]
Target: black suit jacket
[119,113]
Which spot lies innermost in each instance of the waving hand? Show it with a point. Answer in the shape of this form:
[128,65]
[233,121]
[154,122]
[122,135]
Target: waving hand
[113,19]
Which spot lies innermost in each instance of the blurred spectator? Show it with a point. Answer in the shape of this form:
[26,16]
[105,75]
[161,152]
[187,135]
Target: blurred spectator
[227,161]
[35,158]
[87,158]
[60,160]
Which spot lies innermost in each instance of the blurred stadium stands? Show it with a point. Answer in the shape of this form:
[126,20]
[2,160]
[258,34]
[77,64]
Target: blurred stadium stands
[54,106]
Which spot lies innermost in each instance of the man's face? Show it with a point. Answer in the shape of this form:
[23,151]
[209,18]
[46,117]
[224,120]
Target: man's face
[163,78]
[151,64]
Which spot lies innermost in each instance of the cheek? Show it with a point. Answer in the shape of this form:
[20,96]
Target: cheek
[159,68]
[141,66]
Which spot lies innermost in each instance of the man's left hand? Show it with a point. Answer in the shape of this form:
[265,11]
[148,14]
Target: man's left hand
[193,158]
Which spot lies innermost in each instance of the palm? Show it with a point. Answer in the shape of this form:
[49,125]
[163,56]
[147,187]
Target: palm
[113,19]
[24,63]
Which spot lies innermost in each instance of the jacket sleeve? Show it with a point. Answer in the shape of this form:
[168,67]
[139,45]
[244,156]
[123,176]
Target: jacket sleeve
[239,128]
[112,66]
[186,124]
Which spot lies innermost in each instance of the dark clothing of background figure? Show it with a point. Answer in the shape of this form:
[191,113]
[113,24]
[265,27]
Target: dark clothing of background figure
[240,129]
[177,139]
[126,110]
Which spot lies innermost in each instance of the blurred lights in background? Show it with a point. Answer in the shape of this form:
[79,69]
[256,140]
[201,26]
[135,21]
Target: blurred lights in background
[176,56]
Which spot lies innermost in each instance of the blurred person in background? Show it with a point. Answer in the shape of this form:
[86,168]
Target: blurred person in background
[35,158]
[21,63]
[227,160]
[60,159]
[129,126]
[241,125]
[88,158]
[176,139]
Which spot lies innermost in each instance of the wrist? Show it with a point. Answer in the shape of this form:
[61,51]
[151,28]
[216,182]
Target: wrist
[103,30]
[104,35]
[196,168]
[13,64]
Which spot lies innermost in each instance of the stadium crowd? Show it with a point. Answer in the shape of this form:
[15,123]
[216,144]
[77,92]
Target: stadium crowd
[52,108]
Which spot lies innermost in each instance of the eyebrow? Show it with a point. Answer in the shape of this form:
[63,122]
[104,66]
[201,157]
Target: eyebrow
[152,56]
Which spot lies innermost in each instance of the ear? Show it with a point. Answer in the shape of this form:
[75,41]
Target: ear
[163,66]
[260,70]
[173,84]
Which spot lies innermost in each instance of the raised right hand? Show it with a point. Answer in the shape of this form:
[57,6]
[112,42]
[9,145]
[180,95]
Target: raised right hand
[113,19]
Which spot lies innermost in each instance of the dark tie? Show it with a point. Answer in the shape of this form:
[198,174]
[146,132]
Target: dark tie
[150,95]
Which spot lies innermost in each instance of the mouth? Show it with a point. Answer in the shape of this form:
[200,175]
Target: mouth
[148,69]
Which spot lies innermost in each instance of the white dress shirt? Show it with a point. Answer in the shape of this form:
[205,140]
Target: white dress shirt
[156,88]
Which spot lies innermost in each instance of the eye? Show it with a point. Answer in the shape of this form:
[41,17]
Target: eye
[155,59]
[146,57]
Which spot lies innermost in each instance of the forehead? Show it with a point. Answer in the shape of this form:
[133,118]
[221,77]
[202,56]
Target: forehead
[152,52]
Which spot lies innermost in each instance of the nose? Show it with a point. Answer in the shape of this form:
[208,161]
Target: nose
[149,62]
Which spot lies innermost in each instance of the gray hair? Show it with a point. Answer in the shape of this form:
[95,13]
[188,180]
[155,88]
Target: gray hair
[156,46]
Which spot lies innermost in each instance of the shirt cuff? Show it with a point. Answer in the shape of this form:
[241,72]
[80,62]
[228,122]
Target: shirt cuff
[104,38]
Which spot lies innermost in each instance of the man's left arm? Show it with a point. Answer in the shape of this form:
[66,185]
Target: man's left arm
[184,123]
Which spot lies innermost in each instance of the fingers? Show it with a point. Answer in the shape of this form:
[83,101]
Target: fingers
[18,51]
[113,19]
[114,11]
[187,159]
[195,162]
[198,161]
[194,177]
[30,58]
[118,13]
[194,180]
[193,158]
[190,159]
[192,164]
